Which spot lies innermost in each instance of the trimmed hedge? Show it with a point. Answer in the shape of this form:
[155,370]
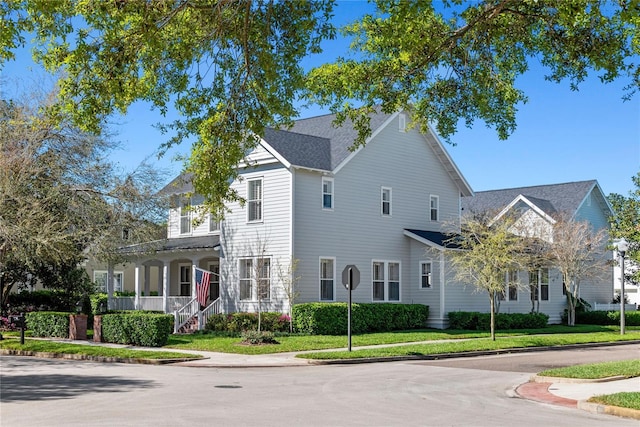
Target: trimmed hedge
[318,318]
[475,321]
[137,328]
[601,317]
[48,324]
[42,300]
[241,322]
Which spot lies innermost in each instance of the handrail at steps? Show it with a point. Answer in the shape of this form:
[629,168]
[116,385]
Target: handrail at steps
[184,314]
[213,308]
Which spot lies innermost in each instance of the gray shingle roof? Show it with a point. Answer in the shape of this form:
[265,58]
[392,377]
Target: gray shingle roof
[316,142]
[552,199]
[168,245]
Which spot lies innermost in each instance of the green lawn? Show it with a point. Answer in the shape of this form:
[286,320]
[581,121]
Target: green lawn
[46,346]
[211,342]
[625,368]
[629,400]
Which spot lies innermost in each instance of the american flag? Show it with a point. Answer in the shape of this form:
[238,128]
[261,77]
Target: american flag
[202,285]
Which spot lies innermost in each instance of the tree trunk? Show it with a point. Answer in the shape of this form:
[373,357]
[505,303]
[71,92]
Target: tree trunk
[493,317]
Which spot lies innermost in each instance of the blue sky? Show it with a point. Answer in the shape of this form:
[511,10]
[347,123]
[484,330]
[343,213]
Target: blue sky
[562,135]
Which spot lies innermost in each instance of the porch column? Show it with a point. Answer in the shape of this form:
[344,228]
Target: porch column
[109,281]
[165,286]
[147,272]
[137,286]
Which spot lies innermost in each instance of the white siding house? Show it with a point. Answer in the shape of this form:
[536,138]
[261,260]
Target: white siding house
[385,208]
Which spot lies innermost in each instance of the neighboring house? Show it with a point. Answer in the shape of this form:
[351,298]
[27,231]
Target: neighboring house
[631,290]
[385,208]
[538,207]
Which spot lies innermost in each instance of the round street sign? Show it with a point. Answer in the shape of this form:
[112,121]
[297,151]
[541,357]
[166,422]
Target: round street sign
[350,276]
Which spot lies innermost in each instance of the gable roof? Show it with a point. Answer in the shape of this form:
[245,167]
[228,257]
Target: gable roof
[317,143]
[550,199]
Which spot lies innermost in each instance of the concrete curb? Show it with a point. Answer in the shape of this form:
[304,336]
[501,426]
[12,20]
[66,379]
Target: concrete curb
[101,359]
[598,408]
[543,379]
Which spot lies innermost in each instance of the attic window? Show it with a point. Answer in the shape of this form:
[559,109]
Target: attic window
[402,123]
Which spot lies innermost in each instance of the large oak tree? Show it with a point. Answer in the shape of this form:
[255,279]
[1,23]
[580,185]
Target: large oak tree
[230,67]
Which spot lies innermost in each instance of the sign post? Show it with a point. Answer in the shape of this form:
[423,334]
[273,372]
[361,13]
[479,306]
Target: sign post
[350,280]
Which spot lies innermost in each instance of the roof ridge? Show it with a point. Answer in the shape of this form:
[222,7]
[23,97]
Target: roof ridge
[537,186]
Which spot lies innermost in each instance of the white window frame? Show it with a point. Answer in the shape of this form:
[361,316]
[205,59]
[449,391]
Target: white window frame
[118,285]
[539,283]
[214,226]
[402,123]
[386,280]
[508,280]
[251,202]
[330,193]
[321,278]
[421,274]
[388,191]
[249,276]
[434,198]
[185,217]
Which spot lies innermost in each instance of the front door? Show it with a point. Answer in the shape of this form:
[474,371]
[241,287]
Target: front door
[214,280]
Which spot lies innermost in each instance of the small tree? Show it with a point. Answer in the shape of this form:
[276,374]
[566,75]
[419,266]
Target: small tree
[485,251]
[289,281]
[579,252]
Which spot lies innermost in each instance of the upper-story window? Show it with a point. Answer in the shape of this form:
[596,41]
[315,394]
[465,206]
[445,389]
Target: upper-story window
[185,217]
[327,193]
[402,123]
[254,200]
[385,200]
[213,224]
[434,207]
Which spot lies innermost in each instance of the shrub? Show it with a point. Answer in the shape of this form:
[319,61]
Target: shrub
[137,328]
[331,318]
[48,324]
[475,321]
[99,303]
[240,322]
[601,317]
[257,338]
[42,300]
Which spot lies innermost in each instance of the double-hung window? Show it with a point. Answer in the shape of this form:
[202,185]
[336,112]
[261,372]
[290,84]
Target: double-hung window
[425,275]
[385,281]
[511,286]
[213,224]
[100,279]
[434,202]
[246,286]
[254,200]
[539,284]
[185,217]
[385,201]
[327,193]
[327,279]
[255,278]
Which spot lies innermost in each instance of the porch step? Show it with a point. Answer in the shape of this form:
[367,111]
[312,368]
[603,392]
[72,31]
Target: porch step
[190,327]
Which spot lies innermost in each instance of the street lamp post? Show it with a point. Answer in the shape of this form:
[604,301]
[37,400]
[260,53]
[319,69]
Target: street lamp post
[622,247]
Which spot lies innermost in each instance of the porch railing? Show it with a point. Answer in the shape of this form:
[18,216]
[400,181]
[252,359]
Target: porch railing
[148,303]
[214,308]
[613,307]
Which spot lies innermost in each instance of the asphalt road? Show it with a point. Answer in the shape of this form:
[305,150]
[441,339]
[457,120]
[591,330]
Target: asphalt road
[452,392]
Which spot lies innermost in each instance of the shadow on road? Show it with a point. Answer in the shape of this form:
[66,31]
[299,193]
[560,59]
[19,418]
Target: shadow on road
[25,387]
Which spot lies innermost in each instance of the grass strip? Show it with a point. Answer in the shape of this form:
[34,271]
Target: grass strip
[625,368]
[45,346]
[629,399]
[482,344]
[292,343]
